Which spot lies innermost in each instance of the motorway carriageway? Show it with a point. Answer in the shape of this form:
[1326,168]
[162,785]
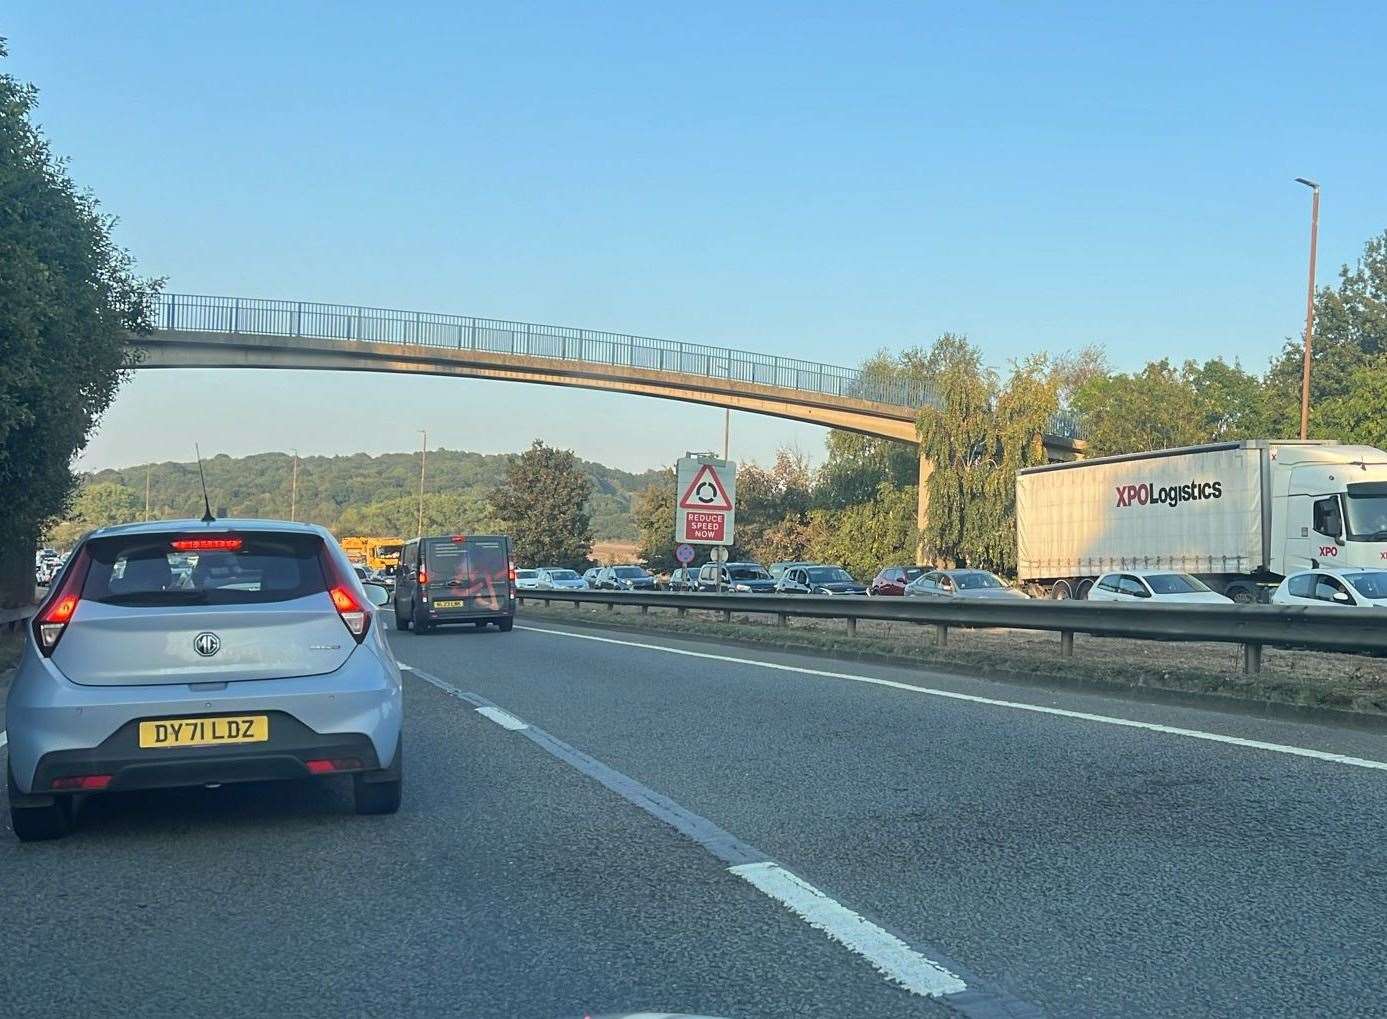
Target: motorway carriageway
[598,821]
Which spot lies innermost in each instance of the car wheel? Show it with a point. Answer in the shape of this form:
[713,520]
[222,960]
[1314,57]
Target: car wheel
[505,625]
[378,792]
[37,824]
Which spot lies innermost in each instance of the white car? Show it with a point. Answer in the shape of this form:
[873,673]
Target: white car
[526,580]
[1356,588]
[1165,586]
[551,578]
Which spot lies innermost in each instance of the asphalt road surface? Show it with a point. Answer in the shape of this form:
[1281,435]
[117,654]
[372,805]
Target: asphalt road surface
[593,826]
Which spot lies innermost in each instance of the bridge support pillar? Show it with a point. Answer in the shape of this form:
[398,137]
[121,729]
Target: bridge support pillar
[922,508]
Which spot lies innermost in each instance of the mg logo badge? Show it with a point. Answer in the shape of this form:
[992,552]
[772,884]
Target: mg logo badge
[207,644]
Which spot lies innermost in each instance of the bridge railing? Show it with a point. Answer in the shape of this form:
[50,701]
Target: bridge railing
[268,317]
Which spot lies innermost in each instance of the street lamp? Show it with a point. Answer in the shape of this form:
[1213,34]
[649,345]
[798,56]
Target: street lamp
[1309,306]
[423,454]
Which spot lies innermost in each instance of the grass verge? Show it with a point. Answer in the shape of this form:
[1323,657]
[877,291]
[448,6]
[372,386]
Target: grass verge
[1342,682]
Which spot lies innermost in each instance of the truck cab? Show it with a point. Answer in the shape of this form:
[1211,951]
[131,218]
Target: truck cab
[1333,503]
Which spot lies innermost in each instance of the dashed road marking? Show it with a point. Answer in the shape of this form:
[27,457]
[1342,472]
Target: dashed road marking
[502,718]
[893,958]
[1039,709]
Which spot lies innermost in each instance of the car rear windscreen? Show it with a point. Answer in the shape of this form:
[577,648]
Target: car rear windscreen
[249,569]
[468,562]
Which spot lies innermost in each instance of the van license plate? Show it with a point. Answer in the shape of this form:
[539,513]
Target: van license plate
[202,732]
[449,603]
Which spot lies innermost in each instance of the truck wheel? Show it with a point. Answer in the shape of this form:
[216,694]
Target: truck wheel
[1084,588]
[1061,591]
[1243,594]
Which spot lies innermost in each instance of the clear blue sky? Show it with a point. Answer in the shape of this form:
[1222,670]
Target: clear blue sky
[815,180]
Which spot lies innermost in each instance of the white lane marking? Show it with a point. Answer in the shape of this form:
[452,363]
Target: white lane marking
[888,954]
[404,667]
[502,718]
[3,739]
[1169,730]
[891,956]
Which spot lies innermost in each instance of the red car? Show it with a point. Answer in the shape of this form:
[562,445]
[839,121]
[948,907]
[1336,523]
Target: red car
[892,580]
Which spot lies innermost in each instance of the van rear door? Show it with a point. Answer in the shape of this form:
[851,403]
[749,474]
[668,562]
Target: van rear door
[470,576]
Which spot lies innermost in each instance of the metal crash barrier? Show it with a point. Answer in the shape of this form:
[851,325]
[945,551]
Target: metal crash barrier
[1253,626]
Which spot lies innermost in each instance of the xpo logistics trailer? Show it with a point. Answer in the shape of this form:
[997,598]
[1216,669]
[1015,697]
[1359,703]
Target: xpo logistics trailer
[1238,515]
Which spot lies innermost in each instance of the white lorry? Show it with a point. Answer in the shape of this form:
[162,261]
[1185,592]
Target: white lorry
[1238,515]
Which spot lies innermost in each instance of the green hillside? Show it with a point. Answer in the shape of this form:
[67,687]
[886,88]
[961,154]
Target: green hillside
[352,494]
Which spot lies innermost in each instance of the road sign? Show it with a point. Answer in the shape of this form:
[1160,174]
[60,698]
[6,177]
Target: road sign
[685,554]
[705,509]
[718,554]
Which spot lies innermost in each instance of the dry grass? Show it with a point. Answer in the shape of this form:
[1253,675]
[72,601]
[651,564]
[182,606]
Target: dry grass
[1343,681]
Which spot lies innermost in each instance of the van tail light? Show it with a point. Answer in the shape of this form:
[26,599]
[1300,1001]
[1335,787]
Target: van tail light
[52,617]
[356,616]
[510,576]
[423,575]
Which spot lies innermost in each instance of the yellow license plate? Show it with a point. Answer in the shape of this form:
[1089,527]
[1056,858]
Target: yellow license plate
[203,732]
[449,603]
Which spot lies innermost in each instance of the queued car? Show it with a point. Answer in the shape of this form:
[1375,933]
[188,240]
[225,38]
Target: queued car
[526,580]
[818,579]
[625,578]
[740,578]
[591,577]
[978,584]
[893,579]
[553,578]
[682,579]
[776,570]
[1164,586]
[263,661]
[1349,588]
[455,578]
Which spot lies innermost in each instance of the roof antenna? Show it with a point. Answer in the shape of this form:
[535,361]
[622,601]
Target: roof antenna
[207,517]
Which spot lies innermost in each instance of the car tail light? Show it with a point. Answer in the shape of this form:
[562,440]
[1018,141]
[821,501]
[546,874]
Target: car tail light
[81,783]
[353,613]
[356,616]
[53,616]
[206,544]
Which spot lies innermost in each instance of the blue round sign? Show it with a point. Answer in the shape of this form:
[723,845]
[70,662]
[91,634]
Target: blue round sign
[685,554]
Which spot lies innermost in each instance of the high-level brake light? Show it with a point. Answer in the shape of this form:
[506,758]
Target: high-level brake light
[206,544]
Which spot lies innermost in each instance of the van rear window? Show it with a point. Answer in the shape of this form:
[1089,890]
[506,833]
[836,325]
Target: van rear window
[148,569]
[466,561]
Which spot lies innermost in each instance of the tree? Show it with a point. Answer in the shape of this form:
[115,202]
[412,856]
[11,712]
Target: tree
[444,513]
[106,504]
[543,504]
[68,298]
[865,537]
[766,498]
[1155,408]
[1350,332]
[653,509]
[1360,414]
[978,434]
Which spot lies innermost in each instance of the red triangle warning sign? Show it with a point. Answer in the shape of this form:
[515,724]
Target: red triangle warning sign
[705,492]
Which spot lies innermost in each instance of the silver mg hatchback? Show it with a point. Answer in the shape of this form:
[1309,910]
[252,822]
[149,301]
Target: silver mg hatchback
[185,653]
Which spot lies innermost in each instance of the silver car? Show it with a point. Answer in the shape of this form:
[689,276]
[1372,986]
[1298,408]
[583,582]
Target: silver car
[184,653]
[962,584]
[552,578]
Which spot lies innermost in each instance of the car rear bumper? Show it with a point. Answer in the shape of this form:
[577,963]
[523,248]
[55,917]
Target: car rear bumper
[284,755]
[48,716]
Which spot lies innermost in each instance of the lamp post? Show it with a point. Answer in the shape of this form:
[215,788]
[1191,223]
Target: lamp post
[1309,306]
[423,454]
